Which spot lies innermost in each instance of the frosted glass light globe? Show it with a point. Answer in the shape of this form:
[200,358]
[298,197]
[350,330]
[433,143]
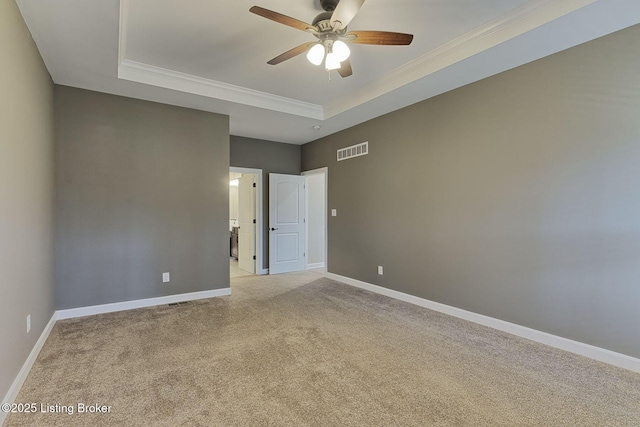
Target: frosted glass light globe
[331,63]
[341,50]
[316,54]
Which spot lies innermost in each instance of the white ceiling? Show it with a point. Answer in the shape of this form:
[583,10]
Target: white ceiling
[212,55]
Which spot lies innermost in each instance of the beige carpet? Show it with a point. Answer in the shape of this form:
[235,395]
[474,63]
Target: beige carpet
[301,350]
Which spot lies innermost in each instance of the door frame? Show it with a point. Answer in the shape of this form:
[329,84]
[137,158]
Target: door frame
[259,216]
[320,171]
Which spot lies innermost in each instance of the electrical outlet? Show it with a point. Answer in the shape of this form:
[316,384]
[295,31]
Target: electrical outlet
[166,277]
[28,323]
[380,271]
[334,212]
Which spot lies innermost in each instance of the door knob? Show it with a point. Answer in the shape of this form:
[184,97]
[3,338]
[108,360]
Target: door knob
[273,229]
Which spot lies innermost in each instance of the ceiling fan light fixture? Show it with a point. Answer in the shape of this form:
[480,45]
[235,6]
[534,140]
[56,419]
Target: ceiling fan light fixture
[316,54]
[331,63]
[341,50]
[330,30]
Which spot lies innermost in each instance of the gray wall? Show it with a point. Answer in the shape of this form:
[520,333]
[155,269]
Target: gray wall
[142,189]
[517,197]
[26,194]
[271,157]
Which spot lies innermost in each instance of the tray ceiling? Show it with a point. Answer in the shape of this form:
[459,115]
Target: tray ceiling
[213,55]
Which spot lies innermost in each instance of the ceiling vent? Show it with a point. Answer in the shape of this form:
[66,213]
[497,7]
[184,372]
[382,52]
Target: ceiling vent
[353,151]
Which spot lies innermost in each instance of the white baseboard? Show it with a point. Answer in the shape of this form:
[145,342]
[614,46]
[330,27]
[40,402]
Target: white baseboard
[587,350]
[315,265]
[130,305]
[26,367]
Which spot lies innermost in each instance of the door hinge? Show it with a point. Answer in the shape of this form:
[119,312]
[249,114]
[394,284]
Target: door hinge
[254,221]
[254,257]
[304,254]
[254,185]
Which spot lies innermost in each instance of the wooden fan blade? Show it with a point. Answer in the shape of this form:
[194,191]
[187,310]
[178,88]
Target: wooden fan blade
[379,38]
[345,69]
[291,53]
[282,19]
[344,13]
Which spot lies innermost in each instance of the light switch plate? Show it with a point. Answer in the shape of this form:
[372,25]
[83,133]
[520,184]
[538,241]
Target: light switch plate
[380,270]
[334,212]
[166,277]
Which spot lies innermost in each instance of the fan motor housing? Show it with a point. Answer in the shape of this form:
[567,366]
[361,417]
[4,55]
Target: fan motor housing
[329,5]
[322,21]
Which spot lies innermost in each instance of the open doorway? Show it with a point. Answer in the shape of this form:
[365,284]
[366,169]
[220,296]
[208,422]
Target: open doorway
[316,224]
[245,219]
[298,222]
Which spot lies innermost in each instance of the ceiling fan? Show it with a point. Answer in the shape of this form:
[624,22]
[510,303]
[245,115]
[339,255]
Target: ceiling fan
[330,28]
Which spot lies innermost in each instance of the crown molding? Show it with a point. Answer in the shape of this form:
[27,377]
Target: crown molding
[520,20]
[122,30]
[175,80]
[169,79]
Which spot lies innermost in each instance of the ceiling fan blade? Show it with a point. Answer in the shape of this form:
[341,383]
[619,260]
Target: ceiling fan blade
[379,38]
[282,19]
[291,53]
[344,13]
[345,69]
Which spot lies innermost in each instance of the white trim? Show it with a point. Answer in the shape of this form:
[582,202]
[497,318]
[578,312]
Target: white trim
[315,171]
[587,350]
[325,172]
[26,367]
[188,83]
[260,216]
[315,265]
[131,305]
[520,20]
[123,27]
[306,221]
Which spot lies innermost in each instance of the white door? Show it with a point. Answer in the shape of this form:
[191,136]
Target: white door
[246,221]
[286,223]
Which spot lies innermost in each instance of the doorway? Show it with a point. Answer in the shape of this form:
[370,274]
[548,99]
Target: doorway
[316,224]
[245,222]
[298,221]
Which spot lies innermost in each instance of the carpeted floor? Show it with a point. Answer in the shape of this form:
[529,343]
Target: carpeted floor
[302,350]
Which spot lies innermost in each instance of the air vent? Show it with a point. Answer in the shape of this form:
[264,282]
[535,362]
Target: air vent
[353,151]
